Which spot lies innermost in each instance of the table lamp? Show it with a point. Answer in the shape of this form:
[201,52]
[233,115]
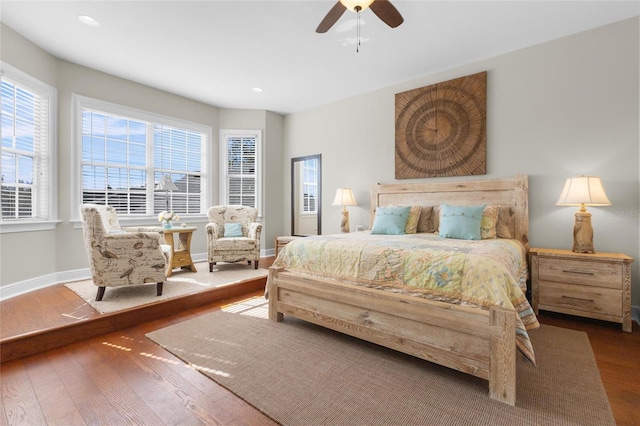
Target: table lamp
[583,191]
[166,184]
[344,198]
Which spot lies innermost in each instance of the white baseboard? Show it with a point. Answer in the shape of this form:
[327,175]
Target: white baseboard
[18,288]
[22,287]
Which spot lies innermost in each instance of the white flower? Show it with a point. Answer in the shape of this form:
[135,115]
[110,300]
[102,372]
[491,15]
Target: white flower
[166,216]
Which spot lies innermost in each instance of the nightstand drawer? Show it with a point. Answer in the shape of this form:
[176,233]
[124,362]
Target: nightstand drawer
[597,300]
[590,273]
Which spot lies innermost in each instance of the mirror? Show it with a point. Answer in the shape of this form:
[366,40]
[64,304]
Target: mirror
[306,190]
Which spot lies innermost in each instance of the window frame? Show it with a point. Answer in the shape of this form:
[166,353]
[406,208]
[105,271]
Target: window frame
[80,102]
[41,88]
[225,134]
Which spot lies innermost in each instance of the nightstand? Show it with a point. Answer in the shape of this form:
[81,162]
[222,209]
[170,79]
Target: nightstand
[584,284]
[283,241]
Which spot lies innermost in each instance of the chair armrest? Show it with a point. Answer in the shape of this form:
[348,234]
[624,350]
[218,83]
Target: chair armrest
[112,252]
[130,243]
[255,229]
[212,231]
[136,229]
[134,236]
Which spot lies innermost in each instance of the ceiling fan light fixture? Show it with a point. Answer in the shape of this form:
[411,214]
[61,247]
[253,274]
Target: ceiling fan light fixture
[383,9]
[356,5]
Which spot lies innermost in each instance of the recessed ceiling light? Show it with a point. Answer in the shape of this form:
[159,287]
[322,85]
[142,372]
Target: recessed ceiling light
[85,19]
[257,89]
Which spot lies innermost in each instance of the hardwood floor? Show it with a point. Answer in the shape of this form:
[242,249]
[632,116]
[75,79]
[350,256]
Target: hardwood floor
[56,316]
[121,377]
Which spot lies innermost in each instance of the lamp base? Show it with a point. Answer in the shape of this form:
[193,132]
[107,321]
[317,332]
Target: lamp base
[583,233]
[344,223]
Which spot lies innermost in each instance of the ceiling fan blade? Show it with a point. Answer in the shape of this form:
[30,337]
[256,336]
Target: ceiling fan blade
[332,17]
[387,13]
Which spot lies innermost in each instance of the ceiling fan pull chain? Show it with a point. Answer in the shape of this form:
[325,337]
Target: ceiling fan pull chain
[358,28]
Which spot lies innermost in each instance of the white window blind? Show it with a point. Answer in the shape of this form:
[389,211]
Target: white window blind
[310,186]
[242,173]
[177,154]
[124,158]
[26,144]
[114,162]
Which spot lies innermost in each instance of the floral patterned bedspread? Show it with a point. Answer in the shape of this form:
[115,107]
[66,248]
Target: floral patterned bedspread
[480,273]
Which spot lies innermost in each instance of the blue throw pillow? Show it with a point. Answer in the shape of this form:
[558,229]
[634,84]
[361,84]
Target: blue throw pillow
[232,230]
[390,220]
[460,222]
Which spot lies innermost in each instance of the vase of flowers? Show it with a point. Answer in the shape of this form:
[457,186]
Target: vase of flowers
[167,218]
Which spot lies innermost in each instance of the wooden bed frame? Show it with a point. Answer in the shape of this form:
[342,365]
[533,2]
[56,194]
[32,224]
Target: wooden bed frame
[474,341]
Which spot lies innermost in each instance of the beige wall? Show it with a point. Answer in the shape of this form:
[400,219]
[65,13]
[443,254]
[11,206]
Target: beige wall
[555,110]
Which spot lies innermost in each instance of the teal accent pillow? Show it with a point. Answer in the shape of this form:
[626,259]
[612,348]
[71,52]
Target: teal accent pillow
[460,222]
[232,230]
[390,220]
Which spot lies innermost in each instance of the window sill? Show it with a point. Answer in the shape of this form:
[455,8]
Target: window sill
[148,220]
[27,226]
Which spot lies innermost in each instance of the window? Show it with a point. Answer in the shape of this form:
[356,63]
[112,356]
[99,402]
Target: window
[28,146]
[240,153]
[310,185]
[126,153]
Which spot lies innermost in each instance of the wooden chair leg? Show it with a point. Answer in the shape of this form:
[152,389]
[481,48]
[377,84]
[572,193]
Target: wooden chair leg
[248,262]
[100,293]
[160,289]
[255,264]
[211,266]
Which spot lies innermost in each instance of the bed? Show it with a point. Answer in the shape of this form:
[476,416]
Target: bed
[479,340]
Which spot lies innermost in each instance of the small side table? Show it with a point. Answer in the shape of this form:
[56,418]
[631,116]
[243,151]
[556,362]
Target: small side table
[180,247]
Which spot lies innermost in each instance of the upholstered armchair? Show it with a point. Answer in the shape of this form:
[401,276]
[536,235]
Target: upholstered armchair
[233,235]
[121,258]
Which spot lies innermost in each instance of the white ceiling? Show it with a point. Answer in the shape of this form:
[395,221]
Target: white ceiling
[216,51]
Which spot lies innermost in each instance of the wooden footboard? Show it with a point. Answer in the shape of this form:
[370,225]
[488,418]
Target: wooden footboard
[474,341]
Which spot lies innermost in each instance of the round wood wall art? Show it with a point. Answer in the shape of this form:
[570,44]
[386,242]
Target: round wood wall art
[441,129]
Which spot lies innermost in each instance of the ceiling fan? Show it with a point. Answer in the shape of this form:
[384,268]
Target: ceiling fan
[382,8]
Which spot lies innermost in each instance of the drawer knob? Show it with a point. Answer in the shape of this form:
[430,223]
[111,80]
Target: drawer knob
[577,272]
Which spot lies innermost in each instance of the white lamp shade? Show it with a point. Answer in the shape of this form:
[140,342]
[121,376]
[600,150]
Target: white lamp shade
[352,4]
[166,184]
[344,197]
[585,190]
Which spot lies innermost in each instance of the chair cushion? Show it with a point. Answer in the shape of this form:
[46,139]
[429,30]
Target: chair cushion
[240,243]
[109,218]
[232,230]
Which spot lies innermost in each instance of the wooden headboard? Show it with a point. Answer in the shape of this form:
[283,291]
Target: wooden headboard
[512,192]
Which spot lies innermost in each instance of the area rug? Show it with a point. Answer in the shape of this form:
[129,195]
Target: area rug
[179,284]
[301,374]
